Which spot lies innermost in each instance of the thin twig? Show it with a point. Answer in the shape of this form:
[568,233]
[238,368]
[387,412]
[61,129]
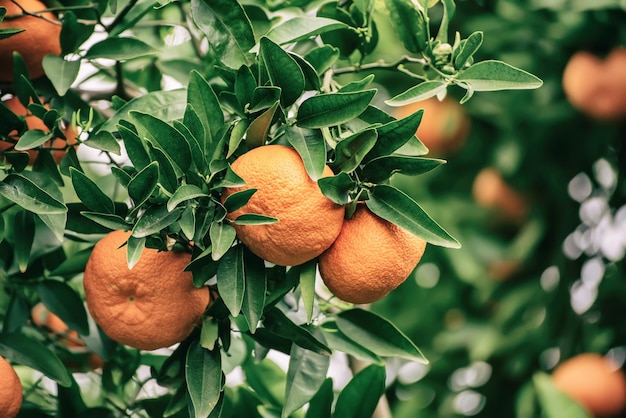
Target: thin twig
[121,15]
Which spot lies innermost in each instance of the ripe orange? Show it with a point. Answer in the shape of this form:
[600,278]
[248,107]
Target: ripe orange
[593,381]
[40,38]
[492,192]
[10,390]
[597,87]
[370,258]
[444,126]
[35,123]
[43,318]
[154,305]
[308,221]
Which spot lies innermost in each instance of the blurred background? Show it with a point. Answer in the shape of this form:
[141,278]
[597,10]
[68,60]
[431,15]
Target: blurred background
[535,190]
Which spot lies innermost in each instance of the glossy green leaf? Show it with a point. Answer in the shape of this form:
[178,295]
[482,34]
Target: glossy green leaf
[257,132]
[103,141]
[64,302]
[203,375]
[199,139]
[468,48]
[203,99]
[143,184]
[449,9]
[72,265]
[231,279]
[305,375]
[492,75]
[308,272]
[164,105]
[183,193]
[222,237]
[20,190]
[337,188]
[277,322]
[382,168]
[120,49]
[238,199]
[322,58]
[409,24]
[237,135]
[337,340]
[302,27]
[263,98]
[30,352]
[134,248]
[321,403]
[154,219]
[357,85]
[187,222]
[377,335]
[397,207]
[55,222]
[312,149]
[254,219]
[32,139]
[333,108]
[73,33]
[90,194]
[360,396]
[168,176]
[351,151]
[227,29]
[25,224]
[422,91]
[8,32]
[282,70]
[245,83]
[112,222]
[255,288]
[135,148]
[61,72]
[555,403]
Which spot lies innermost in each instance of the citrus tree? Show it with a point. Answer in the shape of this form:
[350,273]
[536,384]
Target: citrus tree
[200,192]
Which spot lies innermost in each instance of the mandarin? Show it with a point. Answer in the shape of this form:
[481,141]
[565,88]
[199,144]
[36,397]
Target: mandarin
[10,390]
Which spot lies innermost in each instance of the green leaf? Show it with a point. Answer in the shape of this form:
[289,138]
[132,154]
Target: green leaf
[30,352]
[254,219]
[143,184]
[55,222]
[410,24]
[467,49]
[311,147]
[231,279]
[222,238]
[361,395]
[183,193]
[351,151]
[283,71]
[165,137]
[397,207]
[73,265]
[277,322]
[333,108]
[422,91]
[238,199]
[321,404]
[61,72]
[448,12]
[492,75]
[103,141]
[64,302]
[73,33]
[245,84]
[203,375]
[337,340]
[555,403]
[90,194]
[240,128]
[120,49]
[135,148]
[337,188]
[194,132]
[395,134]
[112,222]
[257,132]
[154,219]
[227,29]
[134,248]
[308,272]
[322,58]
[164,105]
[8,32]
[303,27]
[255,288]
[32,139]
[377,335]
[264,97]
[357,85]
[24,192]
[382,168]
[305,375]
[203,99]
[25,224]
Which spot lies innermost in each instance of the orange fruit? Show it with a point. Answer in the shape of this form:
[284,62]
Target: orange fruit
[444,126]
[40,38]
[10,390]
[35,123]
[370,258]
[492,192]
[597,87]
[594,382]
[43,318]
[154,305]
[308,222]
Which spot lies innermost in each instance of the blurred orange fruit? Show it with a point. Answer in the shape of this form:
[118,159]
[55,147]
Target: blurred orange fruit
[369,258]
[308,222]
[444,126]
[43,318]
[597,87]
[32,122]
[492,192]
[40,37]
[593,381]
[10,390]
[154,305]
